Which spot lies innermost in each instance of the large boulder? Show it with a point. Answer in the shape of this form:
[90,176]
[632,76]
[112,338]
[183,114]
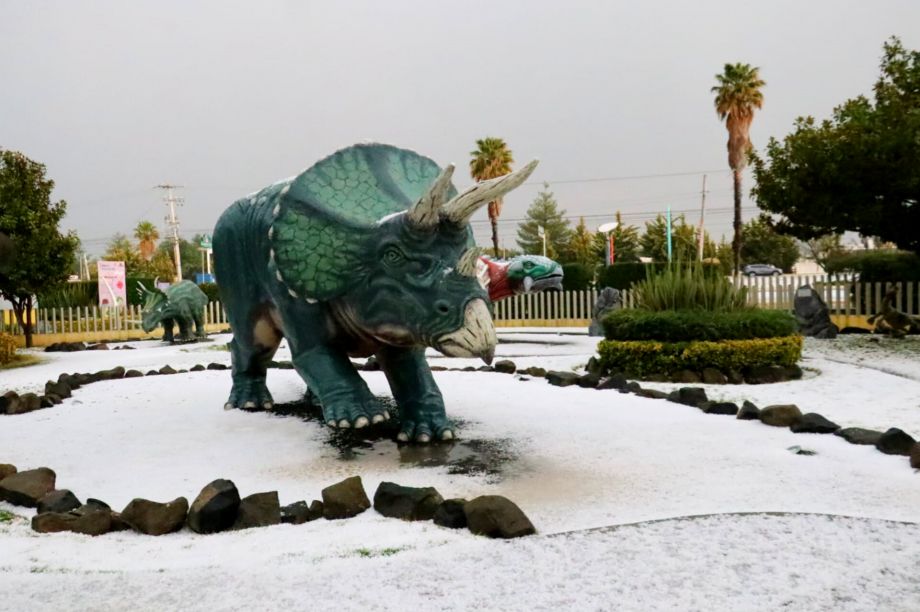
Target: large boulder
[345,499]
[607,300]
[450,514]
[780,415]
[812,314]
[58,501]
[155,518]
[299,512]
[895,442]
[27,488]
[7,469]
[406,503]
[258,510]
[497,517]
[858,435]
[215,507]
[92,521]
[689,396]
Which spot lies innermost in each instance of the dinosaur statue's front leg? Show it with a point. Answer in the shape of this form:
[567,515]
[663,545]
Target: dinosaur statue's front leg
[421,406]
[346,400]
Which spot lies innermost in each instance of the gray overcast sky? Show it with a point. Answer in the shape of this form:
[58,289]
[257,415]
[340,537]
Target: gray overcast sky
[226,97]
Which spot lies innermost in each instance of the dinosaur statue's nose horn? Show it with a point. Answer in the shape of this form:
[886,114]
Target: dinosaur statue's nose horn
[461,208]
[475,338]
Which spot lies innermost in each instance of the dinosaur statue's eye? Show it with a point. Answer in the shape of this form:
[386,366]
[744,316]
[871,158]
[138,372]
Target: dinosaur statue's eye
[393,257]
[528,265]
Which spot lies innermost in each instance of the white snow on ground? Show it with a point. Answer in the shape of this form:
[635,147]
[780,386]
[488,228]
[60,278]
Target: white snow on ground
[579,459]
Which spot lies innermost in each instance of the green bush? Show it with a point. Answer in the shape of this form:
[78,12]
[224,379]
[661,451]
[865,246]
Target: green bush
[622,275]
[689,287]
[7,348]
[78,294]
[210,290]
[640,358]
[687,325]
[577,276]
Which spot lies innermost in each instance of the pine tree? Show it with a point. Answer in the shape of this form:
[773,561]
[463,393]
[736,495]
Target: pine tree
[625,243]
[544,212]
[582,245]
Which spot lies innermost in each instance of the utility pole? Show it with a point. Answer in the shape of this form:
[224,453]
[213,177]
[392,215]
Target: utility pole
[173,222]
[702,214]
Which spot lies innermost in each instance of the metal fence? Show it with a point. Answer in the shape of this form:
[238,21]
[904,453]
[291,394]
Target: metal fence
[842,294]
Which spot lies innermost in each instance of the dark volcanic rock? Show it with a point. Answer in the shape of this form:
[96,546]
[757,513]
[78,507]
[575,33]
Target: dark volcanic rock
[154,518]
[652,393]
[712,376]
[780,415]
[113,374]
[749,412]
[196,368]
[28,487]
[766,374]
[133,374]
[858,435]
[450,514]
[406,503]
[45,401]
[497,517]
[215,507]
[608,300]
[812,314]
[614,381]
[93,522]
[345,499]
[561,379]
[59,388]
[729,408]
[258,510]
[893,442]
[9,403]
[687,376]
[167,369]
[300,512]
[505,366]
[7,469]
[216,366]
[689,396]
[812,422]
[58,501]
[102,346]
[915,456]
[588,381]
[535,371]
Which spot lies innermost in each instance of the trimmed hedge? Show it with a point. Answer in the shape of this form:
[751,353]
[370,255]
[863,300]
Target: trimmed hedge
[688,325]
[645,357]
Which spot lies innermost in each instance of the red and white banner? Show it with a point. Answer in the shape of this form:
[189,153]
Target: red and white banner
[112,291]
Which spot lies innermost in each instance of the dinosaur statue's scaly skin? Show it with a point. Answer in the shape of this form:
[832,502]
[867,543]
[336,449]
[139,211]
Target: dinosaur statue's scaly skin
[181,304]
[362,254]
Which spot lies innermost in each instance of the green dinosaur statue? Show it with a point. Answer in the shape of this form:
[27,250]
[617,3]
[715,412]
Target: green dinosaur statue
[521,274]
[890,320]
[181,304]
[367,252]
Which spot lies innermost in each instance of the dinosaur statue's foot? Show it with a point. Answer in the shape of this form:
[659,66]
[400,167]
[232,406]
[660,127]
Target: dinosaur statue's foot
[249,394]
[354,413]
[423,426]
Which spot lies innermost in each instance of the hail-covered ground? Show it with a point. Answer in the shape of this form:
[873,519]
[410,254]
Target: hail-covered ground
[640,504]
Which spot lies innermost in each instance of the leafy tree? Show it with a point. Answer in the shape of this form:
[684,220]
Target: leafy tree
[147,236]
[544,212]
[582,245]
[41,254]
[762,244]
[188,253]
[737,95]
[823,249]
[120,248]
[491,158]
[625,243]
[857,171]
[684,240]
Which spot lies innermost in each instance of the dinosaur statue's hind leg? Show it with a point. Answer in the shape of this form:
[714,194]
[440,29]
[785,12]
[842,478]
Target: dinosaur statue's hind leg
[255,340]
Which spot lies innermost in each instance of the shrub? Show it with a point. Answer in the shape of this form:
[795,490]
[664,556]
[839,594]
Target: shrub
[7,348]
[689,287]
[641,358]
[623,275]
[687,325]
[210,290]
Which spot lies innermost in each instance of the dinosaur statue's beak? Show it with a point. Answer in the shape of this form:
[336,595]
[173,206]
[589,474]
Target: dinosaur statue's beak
[475,338]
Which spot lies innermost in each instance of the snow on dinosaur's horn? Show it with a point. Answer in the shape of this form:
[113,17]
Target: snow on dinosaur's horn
[424,213]
[461,208]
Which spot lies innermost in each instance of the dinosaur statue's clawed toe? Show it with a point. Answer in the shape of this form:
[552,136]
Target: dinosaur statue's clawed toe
[423,427]
[249,394]
[355,414]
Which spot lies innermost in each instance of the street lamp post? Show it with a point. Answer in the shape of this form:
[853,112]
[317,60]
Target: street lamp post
[607,230]
[542,232]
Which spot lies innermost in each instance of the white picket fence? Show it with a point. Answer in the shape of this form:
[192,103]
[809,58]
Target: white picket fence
[841,294]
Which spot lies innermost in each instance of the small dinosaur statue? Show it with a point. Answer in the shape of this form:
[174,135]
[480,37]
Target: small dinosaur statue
[891,320]
[182,304]
[521,274]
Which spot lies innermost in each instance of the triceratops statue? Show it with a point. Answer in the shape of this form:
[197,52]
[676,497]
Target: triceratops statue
[367,252]
[181,304]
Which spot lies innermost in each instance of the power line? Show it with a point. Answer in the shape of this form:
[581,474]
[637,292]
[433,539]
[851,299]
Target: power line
[625,178]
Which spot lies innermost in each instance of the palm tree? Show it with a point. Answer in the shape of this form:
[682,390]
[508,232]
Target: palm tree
[492,158]
[737,95]
[147,236]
